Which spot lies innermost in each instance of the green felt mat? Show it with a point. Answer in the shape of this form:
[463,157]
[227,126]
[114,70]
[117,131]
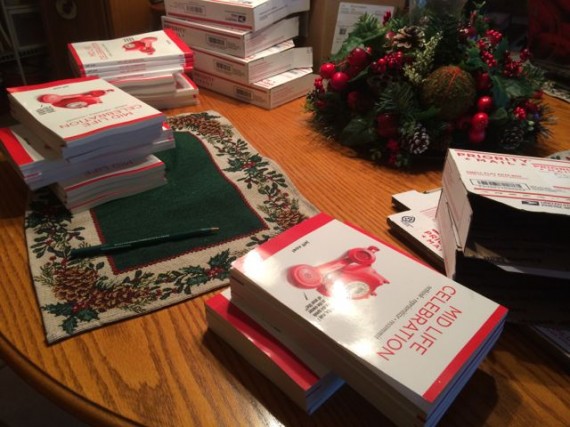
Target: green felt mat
[215,178]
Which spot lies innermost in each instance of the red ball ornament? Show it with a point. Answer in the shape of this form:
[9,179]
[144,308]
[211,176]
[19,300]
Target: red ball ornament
[339,81]
[483,81]
[352,100]
[485,103]
[480,121]
[387,125]
[327,70]
[476,136]
[357,57]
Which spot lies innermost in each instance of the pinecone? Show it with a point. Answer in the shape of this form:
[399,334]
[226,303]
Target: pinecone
[410,37]
[74,283]
[513,137]
[418,142]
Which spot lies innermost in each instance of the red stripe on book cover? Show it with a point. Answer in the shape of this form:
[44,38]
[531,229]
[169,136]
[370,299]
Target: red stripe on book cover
[115,126]
[18,154]
[71,49]
[466,352]
[188,53]
[280,355]
[113,175]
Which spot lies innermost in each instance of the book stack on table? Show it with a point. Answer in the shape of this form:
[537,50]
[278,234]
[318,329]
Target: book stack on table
[504,222]
[245,49]
[404,336]
[89,140]
[152,66]
[305,380]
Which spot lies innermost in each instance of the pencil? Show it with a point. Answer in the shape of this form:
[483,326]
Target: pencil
[106,248]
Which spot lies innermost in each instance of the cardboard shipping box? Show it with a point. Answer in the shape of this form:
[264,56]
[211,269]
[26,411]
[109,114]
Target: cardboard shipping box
[268,93]
[329,22]
[230,40]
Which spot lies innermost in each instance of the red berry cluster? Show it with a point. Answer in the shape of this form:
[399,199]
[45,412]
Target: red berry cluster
[485,47]
[494,37]
[512,68]
[393,60]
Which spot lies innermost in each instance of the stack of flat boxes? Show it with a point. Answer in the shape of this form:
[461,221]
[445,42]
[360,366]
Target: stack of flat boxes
[245,49]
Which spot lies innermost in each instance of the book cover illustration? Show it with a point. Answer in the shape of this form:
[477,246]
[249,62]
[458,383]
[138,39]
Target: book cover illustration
[74,100]
[351,275]
[414,317]
[160,45]
[81,109]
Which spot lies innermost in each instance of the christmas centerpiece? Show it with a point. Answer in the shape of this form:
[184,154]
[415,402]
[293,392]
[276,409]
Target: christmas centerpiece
[413,85]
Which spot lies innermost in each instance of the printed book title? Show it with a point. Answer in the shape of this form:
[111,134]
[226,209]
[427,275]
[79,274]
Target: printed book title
[425,327]
[112,116]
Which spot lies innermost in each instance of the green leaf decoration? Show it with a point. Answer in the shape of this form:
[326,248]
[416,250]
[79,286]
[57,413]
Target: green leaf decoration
[358,132]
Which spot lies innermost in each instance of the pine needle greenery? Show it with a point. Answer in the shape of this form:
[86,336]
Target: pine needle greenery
[409,87]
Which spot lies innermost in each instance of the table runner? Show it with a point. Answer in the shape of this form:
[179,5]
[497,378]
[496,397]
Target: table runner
[215,178]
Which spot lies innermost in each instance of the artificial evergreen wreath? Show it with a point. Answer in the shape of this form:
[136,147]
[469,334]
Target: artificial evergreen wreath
[407,88]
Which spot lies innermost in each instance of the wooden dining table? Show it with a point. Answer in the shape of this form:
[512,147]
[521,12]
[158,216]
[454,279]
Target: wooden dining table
[165,368]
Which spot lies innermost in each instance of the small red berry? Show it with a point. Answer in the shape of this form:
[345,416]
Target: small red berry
[357,57]
[476,136]
[485,103]
[327,70]
[339,81]
[480,121]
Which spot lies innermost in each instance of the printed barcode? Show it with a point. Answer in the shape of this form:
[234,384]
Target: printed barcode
[217,42]
[198,10]
[242,93]
[499,184]
[220,66]
[45,110]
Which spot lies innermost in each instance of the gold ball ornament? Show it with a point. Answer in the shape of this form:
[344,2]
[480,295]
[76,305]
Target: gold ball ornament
[450,89]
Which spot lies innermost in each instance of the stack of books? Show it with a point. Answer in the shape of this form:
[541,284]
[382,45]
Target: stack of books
[86,138]
[404,336]
[245,49]
[504,223]
[39,165]
[152,66]
[302,378]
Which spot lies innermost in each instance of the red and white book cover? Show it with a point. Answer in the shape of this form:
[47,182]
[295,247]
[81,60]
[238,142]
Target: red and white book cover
[77,111]
[109,183]
[391,326]
[155,46]
[272,357]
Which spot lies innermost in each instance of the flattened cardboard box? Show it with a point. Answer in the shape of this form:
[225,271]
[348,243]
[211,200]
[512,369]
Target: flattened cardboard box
[268,93]
[262,65]
[249,15]
[232,41]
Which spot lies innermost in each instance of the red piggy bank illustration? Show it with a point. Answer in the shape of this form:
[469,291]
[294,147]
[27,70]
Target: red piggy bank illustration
[143,45]
[80,100]
[351,275]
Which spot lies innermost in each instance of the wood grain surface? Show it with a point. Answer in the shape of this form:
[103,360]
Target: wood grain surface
[166,369]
